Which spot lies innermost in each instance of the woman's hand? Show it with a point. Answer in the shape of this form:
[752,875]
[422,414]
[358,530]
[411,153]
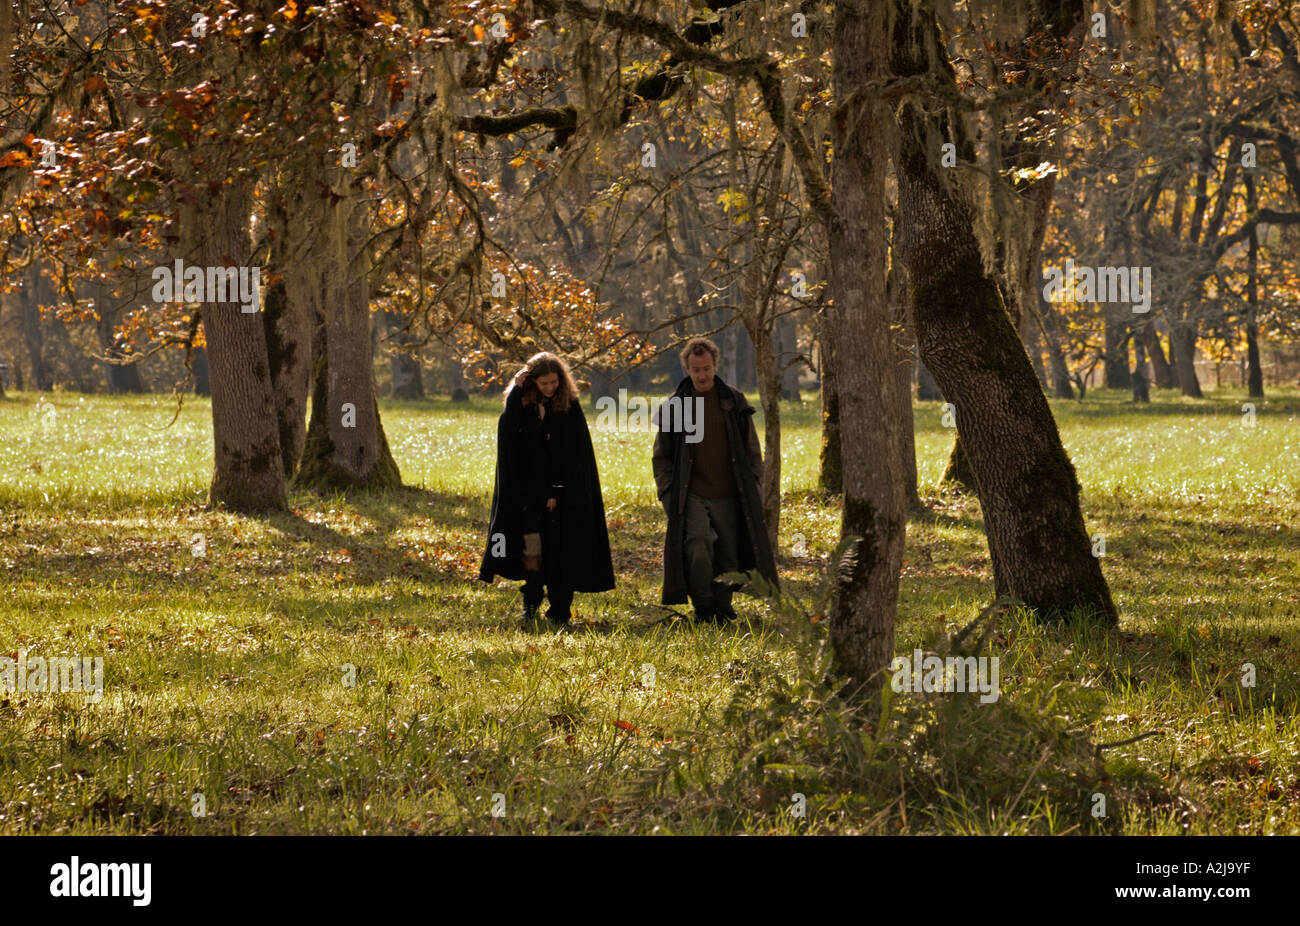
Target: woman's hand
[550,504]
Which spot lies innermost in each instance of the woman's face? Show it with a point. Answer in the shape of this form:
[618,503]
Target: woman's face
[547,384]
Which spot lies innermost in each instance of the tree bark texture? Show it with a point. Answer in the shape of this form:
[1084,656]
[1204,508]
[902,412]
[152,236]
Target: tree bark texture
[247,473]
[862,621]
[346,447]
[1028,488]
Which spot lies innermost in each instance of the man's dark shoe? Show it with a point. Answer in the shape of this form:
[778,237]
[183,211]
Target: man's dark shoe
[530,613]
[704,615]
[561,619]
[726,615]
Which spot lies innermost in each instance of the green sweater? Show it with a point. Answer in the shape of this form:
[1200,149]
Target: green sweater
[711,473]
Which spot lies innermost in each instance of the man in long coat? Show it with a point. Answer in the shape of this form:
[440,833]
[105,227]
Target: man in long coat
[708,468]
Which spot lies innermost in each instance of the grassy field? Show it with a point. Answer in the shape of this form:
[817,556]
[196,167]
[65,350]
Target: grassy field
[339,669]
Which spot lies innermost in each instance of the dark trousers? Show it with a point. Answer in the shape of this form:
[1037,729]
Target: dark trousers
[549,580]
[711,548]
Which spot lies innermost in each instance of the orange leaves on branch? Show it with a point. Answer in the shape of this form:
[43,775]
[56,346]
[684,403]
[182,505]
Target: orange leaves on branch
[545,310]
[396,87]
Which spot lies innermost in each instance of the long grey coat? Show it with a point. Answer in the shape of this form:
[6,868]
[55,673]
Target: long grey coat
[672,468]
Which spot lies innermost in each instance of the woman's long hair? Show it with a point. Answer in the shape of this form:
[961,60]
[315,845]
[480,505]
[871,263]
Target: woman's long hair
[541,365]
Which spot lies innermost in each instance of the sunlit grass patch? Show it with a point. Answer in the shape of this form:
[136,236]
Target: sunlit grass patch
[338,668]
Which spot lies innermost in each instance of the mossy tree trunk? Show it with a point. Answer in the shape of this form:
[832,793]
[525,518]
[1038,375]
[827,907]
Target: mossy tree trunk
[247,473]
[286,318]
[905,357]
[957,471]
[866,605]
[1029,492]
[345,448]
[830,472]
[769,395]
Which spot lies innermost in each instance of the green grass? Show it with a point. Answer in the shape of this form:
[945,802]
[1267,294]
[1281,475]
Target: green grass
[224,673]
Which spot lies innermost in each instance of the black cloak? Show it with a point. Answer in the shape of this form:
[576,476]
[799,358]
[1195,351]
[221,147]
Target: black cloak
[521,489]
[672,468]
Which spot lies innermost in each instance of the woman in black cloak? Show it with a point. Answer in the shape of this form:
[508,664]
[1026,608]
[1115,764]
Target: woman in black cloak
[548,518]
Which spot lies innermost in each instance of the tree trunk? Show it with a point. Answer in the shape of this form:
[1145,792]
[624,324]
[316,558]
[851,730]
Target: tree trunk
[957,471]
[831,474]
[1028,489]
[1254,374]
[1115,373]
[787,359]
[1033,341]
[769,395]
[1140,391]
[120,378]
[247,472]
[1182,344]
[36,292]
[905,348]
[460,394]
[288,350]
[729,368]
[408,381]
[346,447]
[202,374]
[286,318]
[927,390]
[1061,387]
[1160,371]
[746,369]
[866,605]
[1027,291]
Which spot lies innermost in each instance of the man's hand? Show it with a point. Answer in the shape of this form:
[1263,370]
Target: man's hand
[550,504]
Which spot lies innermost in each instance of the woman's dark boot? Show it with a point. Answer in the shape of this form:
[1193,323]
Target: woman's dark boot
[561,601]
[532,594]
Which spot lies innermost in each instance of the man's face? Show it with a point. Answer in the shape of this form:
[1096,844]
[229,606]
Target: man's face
[700,368]
[547,384]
